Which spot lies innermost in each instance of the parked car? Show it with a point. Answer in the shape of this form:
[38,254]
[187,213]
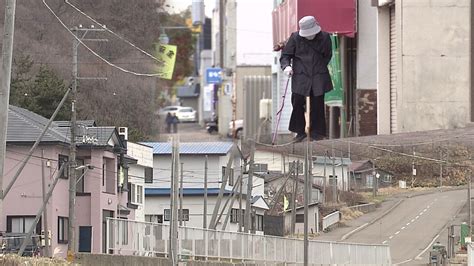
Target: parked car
[173,109]
[239,129]
[186,114]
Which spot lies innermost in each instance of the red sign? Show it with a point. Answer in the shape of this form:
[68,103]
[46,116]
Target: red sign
[334,16]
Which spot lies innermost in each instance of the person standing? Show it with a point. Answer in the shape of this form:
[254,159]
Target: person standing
[168,121]
[175,121]
[305,58]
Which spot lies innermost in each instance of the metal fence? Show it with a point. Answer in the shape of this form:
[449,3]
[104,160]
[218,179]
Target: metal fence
[331,219]
[149,239]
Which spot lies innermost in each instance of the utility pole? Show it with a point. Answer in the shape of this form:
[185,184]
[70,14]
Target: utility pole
[413,169]
[174,203]
[73,147]
[45,213]
[342,174]
[440,168]
[307,172]
[374,180]
[469,197]
[222,6]
[71,247]
[5,78]
[248,205]
[180,214]
[349,172]
[204,216]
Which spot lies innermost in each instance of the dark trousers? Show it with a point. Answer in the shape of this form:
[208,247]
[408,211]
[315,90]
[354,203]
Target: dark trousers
[317,116]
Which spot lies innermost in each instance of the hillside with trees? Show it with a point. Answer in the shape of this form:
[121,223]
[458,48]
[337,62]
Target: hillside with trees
[42,68]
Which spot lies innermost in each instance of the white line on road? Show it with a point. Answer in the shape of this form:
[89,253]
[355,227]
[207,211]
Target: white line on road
[425,209]
[385,242]
[408,224]
[390,237]
[428,207]
[403,262]
[398,232]
[412,220]
[418,257]
[403,227]
[421,213]
[417,217]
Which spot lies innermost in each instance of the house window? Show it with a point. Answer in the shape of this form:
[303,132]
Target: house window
[259,223]
[183,217]
[21,224]
[299,218]
[62,159]
[63,223]
[154,218]
[136,192]
[234,216]
[148,175]
[230,180]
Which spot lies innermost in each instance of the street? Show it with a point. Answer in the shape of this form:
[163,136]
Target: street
[411,227]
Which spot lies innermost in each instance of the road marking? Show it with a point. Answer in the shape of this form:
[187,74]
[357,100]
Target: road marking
[421,213]
[403,262]
[425,209]
[390,237]
[418,257]
[398,232]
[385,242]
[428,207]
[403,227]
[417,217]
[408,224]
[412,220]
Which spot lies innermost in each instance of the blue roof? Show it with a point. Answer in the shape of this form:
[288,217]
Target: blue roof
[215,148]
[186,191]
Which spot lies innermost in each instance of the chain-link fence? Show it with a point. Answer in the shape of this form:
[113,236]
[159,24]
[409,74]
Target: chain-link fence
[149,239]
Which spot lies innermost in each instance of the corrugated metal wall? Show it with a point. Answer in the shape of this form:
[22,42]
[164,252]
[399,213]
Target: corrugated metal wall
[255,89]
[393,71]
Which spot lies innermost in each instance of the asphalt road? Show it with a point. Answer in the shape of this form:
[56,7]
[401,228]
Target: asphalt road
[411,228]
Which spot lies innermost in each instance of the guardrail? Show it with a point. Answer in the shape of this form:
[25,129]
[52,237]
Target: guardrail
[365,208]
[331,219]
[127,237]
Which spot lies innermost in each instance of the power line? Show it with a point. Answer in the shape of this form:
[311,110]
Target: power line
[96,54]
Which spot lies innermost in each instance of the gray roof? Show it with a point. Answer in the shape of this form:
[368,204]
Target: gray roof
[101,134]
[320,160]
[191,148]
[86,123]
[188,91]
[26,126]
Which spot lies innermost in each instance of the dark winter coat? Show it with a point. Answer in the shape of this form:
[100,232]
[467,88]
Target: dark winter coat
[309,60]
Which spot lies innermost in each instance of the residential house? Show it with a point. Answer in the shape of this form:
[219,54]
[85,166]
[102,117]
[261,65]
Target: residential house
[101,186]
[313,219]
[193,157]
[362,176]
[328,170]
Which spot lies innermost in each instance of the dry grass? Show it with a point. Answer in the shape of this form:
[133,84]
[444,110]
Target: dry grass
[348,214]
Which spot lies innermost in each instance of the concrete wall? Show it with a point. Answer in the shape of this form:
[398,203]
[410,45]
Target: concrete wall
[433,78]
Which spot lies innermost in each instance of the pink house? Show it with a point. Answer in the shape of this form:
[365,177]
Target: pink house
[101,192]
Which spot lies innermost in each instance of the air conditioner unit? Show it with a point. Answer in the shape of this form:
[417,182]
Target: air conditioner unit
[265,108]
[123,131]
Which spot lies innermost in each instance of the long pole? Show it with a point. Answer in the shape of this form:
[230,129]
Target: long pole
[71,248]
[342,174]
[334,178]
[469,198]
[349,172]
[295,191]
[440,168]
[174,211]
[241,222]
[5,78]
[204,216]
[374,180]
[324,180]
[306,180]
[248,205]
[45,213]
[222,5]
[180,214]
[40,211]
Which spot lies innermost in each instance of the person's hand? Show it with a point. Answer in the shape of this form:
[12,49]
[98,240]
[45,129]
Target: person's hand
[288,71]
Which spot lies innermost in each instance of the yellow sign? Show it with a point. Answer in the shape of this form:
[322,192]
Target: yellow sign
[166,55]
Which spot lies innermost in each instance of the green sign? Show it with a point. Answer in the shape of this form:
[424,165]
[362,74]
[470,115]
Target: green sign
[336,96]
[166,55]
